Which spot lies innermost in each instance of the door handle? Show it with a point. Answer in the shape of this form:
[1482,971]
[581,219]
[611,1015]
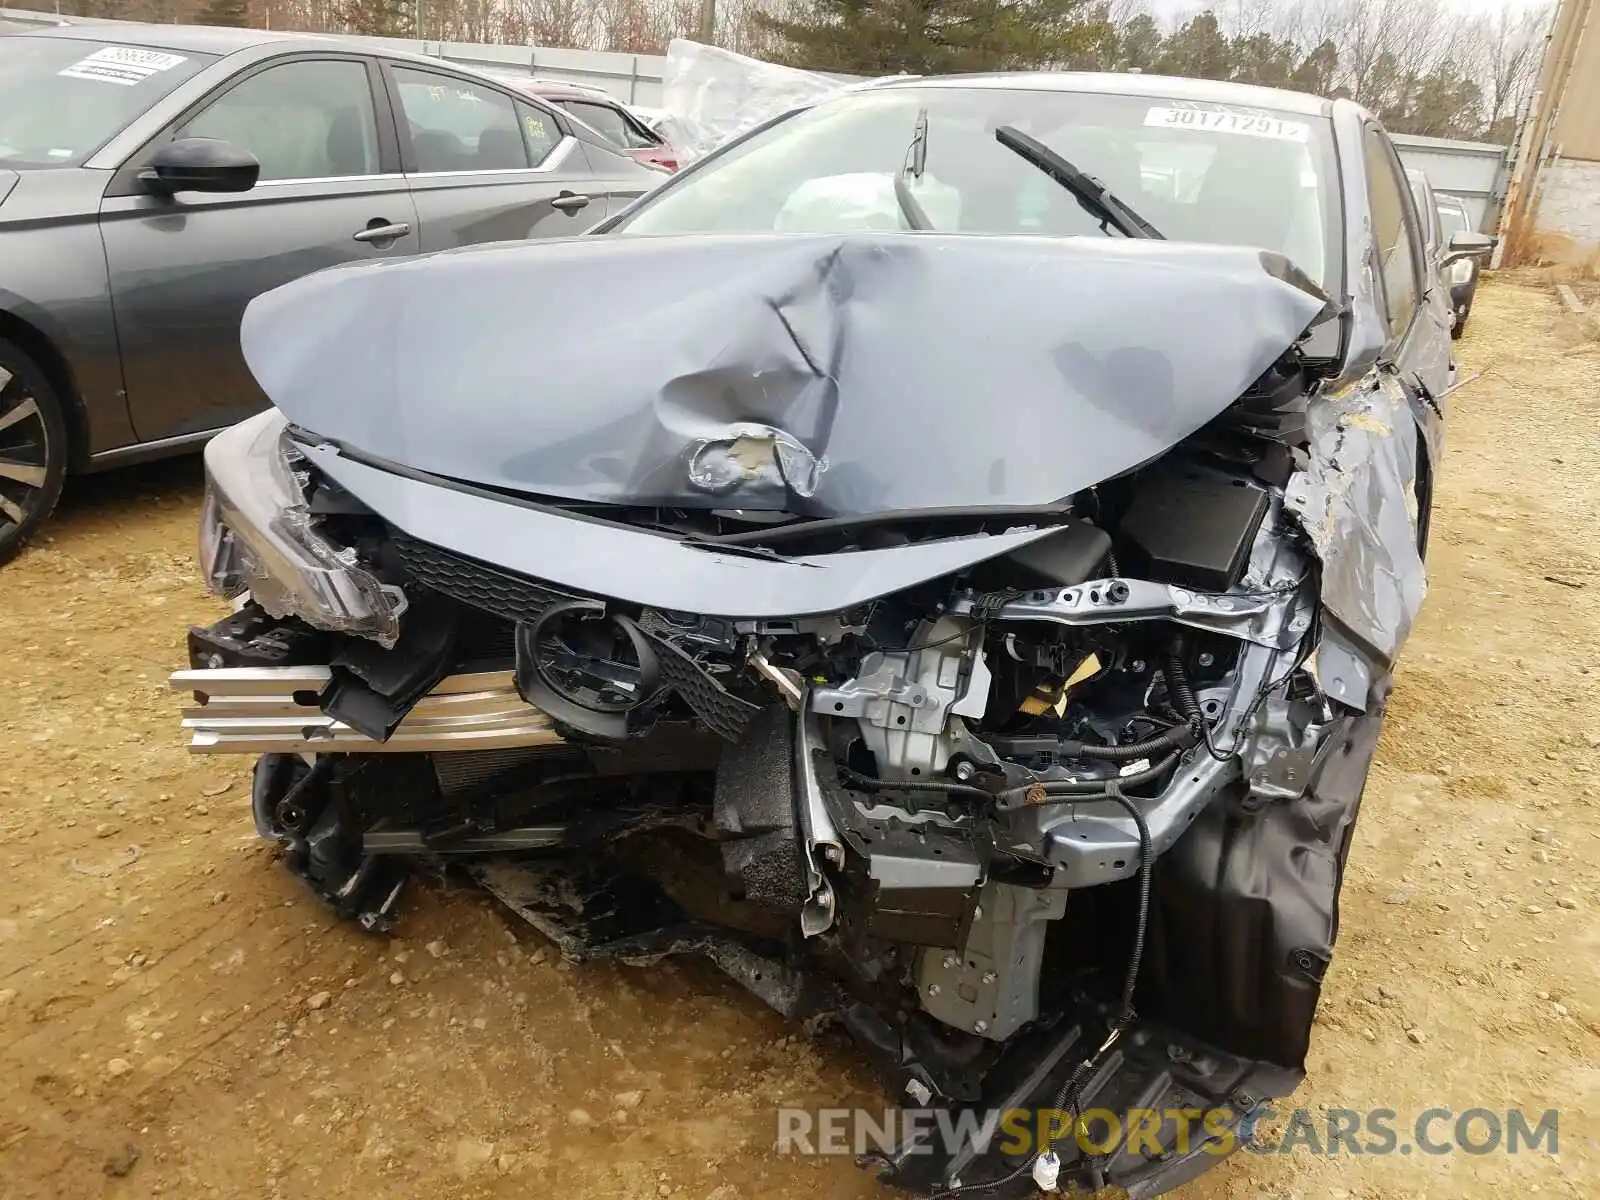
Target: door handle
[570,202]
[383,233]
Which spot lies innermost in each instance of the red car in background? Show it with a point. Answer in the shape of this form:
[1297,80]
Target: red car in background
[606,116]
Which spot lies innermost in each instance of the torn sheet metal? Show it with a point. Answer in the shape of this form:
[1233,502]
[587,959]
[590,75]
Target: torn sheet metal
[644,568]
[1356,500]
[819,375]
[712,95]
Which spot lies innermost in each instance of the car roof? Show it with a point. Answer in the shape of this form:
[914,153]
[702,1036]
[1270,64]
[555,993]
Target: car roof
[1169,87]
[211,39]
[202,38]
[560,89]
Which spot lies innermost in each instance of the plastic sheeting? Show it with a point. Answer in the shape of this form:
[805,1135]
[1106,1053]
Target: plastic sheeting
[711,95]
[1356,499]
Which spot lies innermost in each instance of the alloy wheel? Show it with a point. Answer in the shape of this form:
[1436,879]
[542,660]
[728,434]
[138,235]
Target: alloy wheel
[24,451]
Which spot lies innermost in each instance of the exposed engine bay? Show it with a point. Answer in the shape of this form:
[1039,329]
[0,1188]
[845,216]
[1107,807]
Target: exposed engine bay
[1050,814]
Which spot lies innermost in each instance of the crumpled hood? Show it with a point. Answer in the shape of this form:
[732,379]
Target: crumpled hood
[829,375]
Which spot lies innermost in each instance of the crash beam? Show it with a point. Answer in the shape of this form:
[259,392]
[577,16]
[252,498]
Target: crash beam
[260,710]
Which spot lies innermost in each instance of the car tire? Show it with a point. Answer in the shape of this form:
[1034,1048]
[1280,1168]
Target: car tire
[1464,310]
[33,449]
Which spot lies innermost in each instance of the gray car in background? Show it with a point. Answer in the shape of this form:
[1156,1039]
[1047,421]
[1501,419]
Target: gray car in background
[155,179]
[1461,277]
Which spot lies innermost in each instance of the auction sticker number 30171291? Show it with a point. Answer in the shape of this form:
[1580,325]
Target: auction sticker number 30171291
[1221,120]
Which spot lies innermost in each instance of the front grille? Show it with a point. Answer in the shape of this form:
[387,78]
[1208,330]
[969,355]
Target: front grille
[512,598]
[472,582]
[723,712]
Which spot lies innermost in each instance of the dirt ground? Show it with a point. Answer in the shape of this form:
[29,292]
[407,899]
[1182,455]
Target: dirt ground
[177,1017]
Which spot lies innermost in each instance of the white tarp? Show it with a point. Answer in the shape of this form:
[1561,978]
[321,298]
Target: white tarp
[711,95]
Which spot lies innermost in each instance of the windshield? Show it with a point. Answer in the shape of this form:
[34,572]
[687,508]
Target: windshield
[1197,172]
[62,99]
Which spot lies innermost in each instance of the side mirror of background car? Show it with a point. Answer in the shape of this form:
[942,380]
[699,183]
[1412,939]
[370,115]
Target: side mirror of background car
[200,165]
[1466,244]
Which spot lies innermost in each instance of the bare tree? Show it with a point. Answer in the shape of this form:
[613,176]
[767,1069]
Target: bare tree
[1511,45]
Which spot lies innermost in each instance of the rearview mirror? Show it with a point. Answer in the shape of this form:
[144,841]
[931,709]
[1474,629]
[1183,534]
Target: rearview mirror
[1466,244]
[201,165]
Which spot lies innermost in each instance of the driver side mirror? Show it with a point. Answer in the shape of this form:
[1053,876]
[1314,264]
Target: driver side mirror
[200,165]
[1466,244]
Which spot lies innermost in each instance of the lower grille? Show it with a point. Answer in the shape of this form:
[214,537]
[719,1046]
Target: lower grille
[513,598]
[467,770]
[472,582]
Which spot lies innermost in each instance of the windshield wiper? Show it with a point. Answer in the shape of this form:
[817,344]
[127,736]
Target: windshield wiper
[1092,196]
[916,160]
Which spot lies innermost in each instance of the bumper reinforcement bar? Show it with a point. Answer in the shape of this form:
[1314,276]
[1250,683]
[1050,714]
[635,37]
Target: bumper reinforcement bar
[260,710]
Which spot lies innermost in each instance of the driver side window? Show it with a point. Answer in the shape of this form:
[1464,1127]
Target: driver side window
[311,119]
[1393,230]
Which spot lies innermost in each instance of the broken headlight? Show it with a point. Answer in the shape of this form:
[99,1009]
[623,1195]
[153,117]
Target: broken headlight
[257,534]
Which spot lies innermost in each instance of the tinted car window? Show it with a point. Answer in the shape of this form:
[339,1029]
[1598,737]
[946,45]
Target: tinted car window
[1203,173]
[62,99]
[459,126]
[607,120]
[1391,225]
[302,120]
[538,130]
[1427,212]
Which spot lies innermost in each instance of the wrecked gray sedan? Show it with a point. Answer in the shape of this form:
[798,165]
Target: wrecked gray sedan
[914,558]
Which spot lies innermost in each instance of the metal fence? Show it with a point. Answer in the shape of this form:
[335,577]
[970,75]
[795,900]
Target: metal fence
[1475,171]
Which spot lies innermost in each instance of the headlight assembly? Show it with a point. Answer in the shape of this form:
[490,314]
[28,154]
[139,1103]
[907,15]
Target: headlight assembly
[257,535]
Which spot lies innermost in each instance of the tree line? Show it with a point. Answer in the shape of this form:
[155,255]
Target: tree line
[1416,63]
[1419,64]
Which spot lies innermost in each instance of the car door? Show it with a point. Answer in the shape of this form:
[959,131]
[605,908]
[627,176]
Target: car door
[485,165]
[1418,348]
[1436,295]
[183,268]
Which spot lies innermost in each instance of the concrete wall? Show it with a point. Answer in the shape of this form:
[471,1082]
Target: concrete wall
[1575,129]
[1569,201]
[1553,209]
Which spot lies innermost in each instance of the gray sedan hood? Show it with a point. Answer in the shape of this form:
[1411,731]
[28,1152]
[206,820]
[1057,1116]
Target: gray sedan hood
[821,375]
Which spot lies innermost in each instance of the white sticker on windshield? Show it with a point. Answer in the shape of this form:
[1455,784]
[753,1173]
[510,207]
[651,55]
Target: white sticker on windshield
[1218,120]
[125,65]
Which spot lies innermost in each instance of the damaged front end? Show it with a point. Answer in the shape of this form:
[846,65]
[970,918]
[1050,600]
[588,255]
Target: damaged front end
[1044,801]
